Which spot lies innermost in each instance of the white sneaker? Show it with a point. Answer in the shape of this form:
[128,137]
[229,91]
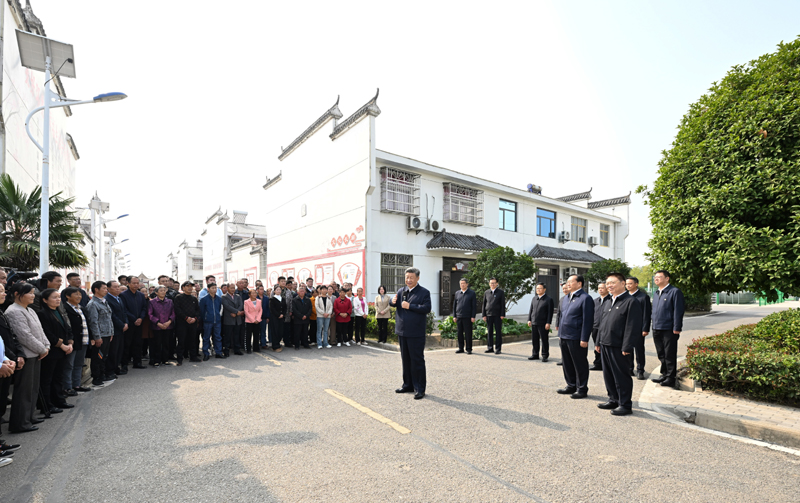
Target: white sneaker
[6,461]
[347,344]
[339,345]
[319,347]
[358,343]
[364,343]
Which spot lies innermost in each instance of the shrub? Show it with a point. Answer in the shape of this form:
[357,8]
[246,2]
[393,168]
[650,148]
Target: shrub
[741,361]
[449,330]
[782,329]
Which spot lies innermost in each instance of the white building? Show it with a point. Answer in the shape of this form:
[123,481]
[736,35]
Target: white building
[400,212]
[232,248]
[188,262]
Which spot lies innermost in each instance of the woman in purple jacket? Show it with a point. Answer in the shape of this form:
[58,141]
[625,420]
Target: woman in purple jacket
[162,318]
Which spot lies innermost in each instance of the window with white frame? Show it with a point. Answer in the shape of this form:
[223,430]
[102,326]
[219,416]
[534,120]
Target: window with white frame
[579,229]
[399,191]
[393,270]
[604,232]
[462,204]
[508,216]
[197,263]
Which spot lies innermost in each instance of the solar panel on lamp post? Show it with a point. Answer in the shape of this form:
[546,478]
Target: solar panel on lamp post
[41,53]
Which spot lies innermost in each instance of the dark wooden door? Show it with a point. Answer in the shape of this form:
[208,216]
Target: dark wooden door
[445,300]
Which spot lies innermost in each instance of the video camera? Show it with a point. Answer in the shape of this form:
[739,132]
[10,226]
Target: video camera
[15,276]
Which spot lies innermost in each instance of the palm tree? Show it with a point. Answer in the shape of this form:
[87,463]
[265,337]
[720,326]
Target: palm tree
[19,229]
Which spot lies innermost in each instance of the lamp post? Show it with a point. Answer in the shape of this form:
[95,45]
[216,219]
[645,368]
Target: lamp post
[100,242]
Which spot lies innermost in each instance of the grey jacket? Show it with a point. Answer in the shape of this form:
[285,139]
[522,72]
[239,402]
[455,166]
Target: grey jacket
[28,329]
[98,317]
[232,306]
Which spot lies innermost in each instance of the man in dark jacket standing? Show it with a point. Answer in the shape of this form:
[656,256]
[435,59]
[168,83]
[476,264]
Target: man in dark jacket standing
[119,318]
[301,311]
[599,303]
[136,309]
[74,280]
[413,303]
[620,327]
[464,311]
[574,328]
[187,313]
[632,285]
[494,312]
[668,310]
[232,306]
[540,315]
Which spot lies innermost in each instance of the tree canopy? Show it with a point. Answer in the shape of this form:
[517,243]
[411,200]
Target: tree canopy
[514,272]
[725,208]
[20,224]
[599,271]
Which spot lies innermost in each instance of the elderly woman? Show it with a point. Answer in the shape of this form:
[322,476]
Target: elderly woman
[35,347]
[58,330]
[252,318]
[162,318]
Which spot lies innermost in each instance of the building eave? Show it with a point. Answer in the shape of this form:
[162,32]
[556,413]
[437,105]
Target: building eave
[330,114]
[581,196]
[369,108]
[614,201]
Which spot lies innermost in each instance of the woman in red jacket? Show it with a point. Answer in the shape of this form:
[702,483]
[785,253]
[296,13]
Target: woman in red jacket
[342,307]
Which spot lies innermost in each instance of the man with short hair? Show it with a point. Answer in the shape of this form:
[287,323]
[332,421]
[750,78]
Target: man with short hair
[620,326]
[494,312]
[209,279]
[136,310]
[210,308]
[465,308]
[540,315]
[74,280]
[301,307]
[50,279]
[632,285]
[412,303]
[101,331]
[123,280]
[119,318]
[574,328]
[668,311]
[3,277]
[561,304]
[598,316]
[187,312]
[232,305]
[244,293]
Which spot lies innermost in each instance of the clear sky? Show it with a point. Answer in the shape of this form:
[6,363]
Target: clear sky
[566,95]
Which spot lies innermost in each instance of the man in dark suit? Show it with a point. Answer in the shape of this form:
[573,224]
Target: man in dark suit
[620,328]
[301,312]
[187,314]
[540,315]
[632,285]
[494,312]
[232,305]
[119,318]
[465,309]
[136,308]
[561,304]
[598,316]
[668,310]
[413,303]
[574,328]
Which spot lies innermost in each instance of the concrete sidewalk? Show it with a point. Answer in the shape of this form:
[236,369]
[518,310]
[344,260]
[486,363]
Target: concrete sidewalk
[771,423]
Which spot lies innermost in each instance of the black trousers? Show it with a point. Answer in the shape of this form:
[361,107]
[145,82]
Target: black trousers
[187,339]
[98,364]
[350,327]
[667,349]
[116,349]
[344,331]
[50,380]
[288,333]
[312,331]
[360,328]
[5,386]
[412,352]
[494,324]
[383,329]
[464,327]
[638,350]
[238,341]
[539,336]
[616,374]
[252,340]
[229,334]
[597,360]
[172,344]
[300,333]
[23,401]
[574,364]
[276,332]
[132,345]
[159,345]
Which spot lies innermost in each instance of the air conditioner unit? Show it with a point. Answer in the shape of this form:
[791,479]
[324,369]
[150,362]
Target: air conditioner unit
[433,226]
[414,223]
[572,270]
[563,237]
[592,241]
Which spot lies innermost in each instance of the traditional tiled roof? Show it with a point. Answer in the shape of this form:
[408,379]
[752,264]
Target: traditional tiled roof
[563,254]
[576,197]
[332,113]
[616,201]
[369,108]
[216,214]
[451,241]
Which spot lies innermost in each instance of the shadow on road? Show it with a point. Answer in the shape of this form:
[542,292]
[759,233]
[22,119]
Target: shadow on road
[499,416]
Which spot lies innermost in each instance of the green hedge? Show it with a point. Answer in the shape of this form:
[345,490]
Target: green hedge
[750,359]
[782,329]
[447,328]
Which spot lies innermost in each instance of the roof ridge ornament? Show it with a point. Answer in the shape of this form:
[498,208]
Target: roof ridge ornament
[581,196]
[333,113]
[369,108]
[614,201]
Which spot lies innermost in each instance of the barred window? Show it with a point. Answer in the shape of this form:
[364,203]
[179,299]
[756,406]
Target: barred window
[604,231]
[463,204]
[399,191]
[393,270]
[197,263]
[579,229]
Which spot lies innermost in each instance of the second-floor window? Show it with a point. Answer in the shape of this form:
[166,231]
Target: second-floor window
[197,263]
[462,204]
[508,216]
[604,232]
[399,191]
[578,229]
[545,223]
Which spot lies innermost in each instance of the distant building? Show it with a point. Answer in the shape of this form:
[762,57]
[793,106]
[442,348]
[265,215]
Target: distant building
[232,248]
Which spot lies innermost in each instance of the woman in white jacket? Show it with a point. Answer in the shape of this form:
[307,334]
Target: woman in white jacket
[360,311]
[324,308]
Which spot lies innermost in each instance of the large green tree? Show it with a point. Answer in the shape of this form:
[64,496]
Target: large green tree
[599,271]
[514,272]
[725,208]
[20,222]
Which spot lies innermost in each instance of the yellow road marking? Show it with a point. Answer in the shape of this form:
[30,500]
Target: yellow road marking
[371,413]
[276,362]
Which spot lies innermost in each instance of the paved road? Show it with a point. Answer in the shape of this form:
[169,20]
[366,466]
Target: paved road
[492,428]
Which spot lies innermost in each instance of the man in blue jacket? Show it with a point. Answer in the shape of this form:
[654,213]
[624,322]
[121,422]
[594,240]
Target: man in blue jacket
[668,309]
[465,308]
[575,323]
[413,303]
[210,308]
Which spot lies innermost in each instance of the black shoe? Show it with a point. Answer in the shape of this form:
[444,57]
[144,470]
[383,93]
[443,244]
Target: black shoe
[533,357]
[249,351]
[490,350]
[9,447]
[70,392]
[658,379]
[498,352]
[122,372]
[38,421]
[633,374]
[560,364]
[578,394]
[640,375]
[238,353]
[621,411]
[205,358]
[404,390]
[218,356]
[544,359]
[65,405]
[124,369]
[56,410]
[459,351]
[566,391]
[6,454]
[139,366]
[306,346]
[419,395]
[668,382]
[97,382]
[596,367]
[24,430]
[469,352]
[180,363]
[609,405]
[194,360]
[81,389]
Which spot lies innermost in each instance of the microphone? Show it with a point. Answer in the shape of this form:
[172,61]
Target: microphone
[405,296]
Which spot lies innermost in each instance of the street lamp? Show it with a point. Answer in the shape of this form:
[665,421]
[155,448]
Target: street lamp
[100,242]
[41,53]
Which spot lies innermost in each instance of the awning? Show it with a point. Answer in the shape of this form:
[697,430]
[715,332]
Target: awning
[451,241]
[564,254]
